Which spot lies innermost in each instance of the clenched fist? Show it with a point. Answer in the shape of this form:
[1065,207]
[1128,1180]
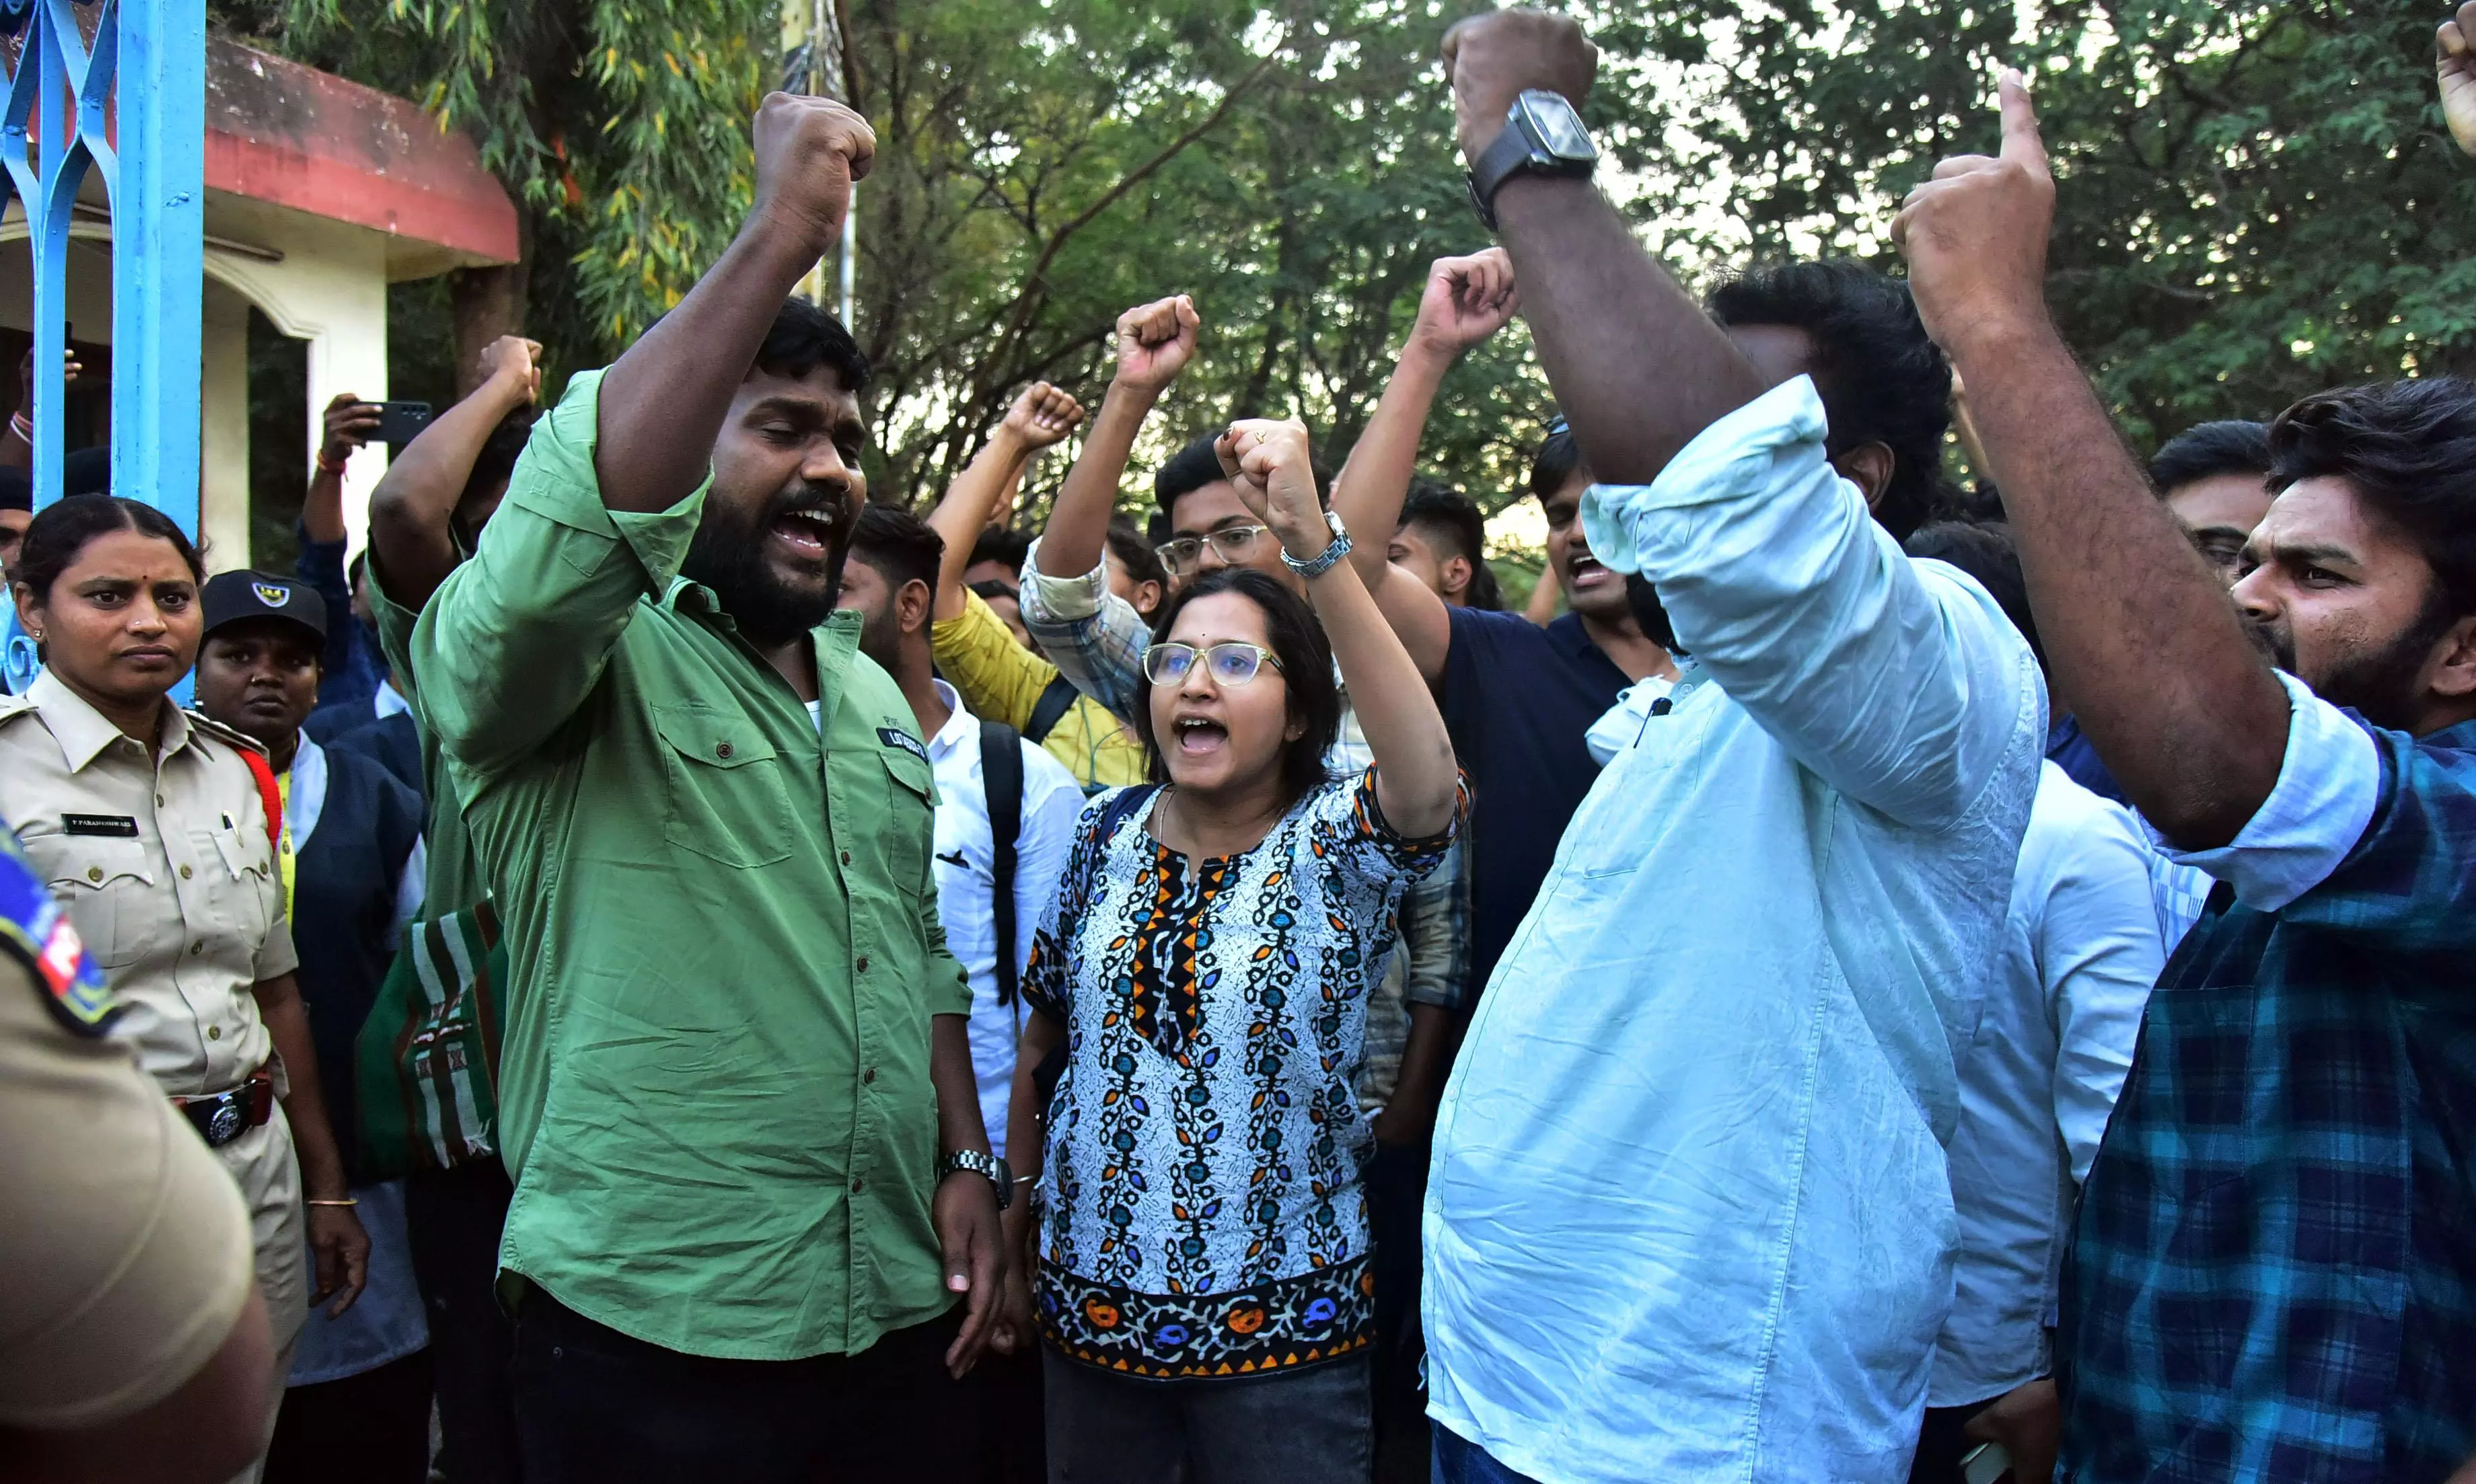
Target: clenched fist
[1273,468]
[1156,342]
[1975,235]
[2454,62]
[808,152]
[1493,59]
[1040,416]
[1466,300]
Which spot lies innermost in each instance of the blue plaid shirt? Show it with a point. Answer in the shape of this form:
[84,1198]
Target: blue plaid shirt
[2274,1271]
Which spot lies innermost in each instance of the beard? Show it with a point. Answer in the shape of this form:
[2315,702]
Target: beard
[2384,685]
[728,554]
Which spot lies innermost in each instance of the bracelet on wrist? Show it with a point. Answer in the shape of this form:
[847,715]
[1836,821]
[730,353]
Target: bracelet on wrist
[328,465]
[348,1201]
[23,427]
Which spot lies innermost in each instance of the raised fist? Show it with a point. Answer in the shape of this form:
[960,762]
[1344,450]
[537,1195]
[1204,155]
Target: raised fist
[1041,415]
[1273,468]
[1975,235]
[808,152]
[1467,299]
[515,363]
[1492,58]
[1156,342]
[2455,60]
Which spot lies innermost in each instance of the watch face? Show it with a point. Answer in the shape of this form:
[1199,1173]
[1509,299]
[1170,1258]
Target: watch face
[1558,128]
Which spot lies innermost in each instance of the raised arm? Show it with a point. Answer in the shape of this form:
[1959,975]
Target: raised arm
[411,510]
[608,496]
[1154,343]
[349,422]
[1041,417]
[1416,778]
[1636,364]
[1466,300]
[2137,632]
[664,400]
[2454,65]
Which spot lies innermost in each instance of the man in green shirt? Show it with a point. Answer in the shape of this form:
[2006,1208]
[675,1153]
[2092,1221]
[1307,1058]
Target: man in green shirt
[734,1085]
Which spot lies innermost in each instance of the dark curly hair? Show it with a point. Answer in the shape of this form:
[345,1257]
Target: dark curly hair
[1305,654]
[1880,379]
[2407,451]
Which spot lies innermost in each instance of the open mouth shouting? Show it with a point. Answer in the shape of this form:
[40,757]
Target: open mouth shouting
[1586,572]
[807,531]
[1199,736]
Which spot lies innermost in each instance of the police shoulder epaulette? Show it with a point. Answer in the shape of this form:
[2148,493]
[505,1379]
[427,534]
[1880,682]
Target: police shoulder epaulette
[221,732]
[33,927]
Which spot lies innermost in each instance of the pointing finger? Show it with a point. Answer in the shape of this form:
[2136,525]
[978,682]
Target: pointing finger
[2022,143]
[1961,165]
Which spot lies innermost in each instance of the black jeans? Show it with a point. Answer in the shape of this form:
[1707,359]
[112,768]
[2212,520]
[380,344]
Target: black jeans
[455,1218]
[1397,1194]
[594,1406]
[1302,1426]
[373,1428]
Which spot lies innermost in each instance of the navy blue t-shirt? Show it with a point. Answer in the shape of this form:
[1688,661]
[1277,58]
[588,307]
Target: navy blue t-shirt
[1517,700]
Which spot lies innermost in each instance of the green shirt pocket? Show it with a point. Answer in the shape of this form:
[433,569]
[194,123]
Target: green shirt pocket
[910,808]
[726,800]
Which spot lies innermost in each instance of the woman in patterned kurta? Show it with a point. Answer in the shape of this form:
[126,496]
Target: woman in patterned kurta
[1203,1284]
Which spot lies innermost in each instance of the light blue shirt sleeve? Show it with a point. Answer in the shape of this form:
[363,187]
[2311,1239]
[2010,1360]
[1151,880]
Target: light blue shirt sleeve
[2327,788]
[1900,683]
[2098,951]
[1094,638]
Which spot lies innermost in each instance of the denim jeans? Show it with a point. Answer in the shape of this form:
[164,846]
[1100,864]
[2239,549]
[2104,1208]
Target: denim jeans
[1304,1426]
[1460,1460]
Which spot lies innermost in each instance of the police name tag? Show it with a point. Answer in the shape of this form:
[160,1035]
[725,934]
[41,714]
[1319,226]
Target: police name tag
[896,737]
[116,826]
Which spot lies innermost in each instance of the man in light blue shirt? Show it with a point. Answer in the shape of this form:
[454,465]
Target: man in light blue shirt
[1690,1217]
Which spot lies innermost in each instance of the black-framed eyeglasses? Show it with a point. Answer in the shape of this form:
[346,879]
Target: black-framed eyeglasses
[1229,662]
[1232,542]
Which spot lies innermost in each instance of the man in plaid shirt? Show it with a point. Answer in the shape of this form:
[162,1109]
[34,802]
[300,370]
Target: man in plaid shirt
[2274,1271]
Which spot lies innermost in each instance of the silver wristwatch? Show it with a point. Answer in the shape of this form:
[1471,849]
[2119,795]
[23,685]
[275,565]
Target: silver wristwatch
[1325,559]
[988,1166]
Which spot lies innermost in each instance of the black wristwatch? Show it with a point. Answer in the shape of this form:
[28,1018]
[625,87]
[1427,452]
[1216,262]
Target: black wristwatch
[997,1170]
[1543,136]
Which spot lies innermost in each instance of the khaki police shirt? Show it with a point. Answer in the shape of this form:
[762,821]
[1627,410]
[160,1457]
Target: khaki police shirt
[126,1250]
[164,867]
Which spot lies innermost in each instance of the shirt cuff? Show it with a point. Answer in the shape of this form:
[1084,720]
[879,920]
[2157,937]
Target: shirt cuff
[2327,789]
[1061,600]
[1723,460]
[555,479]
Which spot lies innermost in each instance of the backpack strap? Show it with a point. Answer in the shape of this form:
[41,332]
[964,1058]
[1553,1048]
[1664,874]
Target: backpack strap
[1049,710]
[268,795]
[1002,783]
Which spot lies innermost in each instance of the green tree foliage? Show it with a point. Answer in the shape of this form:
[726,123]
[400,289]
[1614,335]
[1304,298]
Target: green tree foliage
[1044,167]
[620,125]
[2257,199]
[2257,196]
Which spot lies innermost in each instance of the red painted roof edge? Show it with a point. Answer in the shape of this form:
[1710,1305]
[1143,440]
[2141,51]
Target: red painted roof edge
[295,137]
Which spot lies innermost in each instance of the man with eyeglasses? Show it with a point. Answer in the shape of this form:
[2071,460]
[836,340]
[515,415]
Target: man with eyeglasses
[1099,642]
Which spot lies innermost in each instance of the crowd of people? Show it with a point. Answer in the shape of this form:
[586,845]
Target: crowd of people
[684,970]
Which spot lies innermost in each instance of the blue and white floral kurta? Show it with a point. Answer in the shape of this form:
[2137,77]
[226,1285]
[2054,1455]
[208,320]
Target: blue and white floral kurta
[1206,1214]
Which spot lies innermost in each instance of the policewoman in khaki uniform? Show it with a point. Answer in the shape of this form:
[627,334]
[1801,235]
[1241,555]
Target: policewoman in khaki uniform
[150,824]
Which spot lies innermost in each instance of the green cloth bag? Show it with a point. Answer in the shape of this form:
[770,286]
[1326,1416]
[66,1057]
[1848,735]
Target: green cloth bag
[427,1060]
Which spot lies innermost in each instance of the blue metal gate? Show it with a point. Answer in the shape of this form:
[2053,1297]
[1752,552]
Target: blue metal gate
[145,68]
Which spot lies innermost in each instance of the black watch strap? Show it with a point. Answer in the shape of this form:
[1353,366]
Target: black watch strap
[1515,151]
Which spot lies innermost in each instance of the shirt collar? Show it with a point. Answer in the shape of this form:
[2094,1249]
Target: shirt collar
[389,701]
[82,732]
[959,723]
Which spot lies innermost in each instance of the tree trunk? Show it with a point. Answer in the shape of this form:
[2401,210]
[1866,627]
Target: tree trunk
[488,303]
